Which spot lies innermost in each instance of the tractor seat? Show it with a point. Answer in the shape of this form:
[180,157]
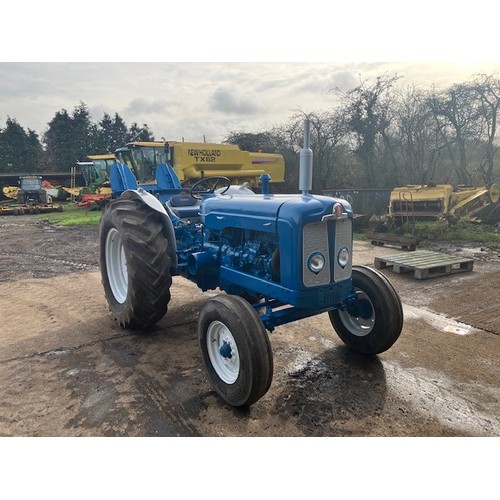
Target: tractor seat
[184,205]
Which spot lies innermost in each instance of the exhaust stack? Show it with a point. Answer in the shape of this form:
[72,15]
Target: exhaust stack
[306,161]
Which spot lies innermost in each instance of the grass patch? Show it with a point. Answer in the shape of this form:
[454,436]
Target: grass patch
[360,235]
[72,215]
[462,231]
[435,231]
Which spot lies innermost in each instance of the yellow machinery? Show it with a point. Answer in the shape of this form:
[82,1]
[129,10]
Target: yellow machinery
[96,175]
[10,192]
[95,171]
[439,201]
[195,160]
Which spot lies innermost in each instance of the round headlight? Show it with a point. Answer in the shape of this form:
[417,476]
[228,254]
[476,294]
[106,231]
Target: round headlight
[343,256]
[316,262]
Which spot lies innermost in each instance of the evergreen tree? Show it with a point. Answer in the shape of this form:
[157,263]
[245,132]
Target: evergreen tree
[119,133]
[83,131]
[58,142]
[104,135]
[112,133]
[20,151]
[35,154]
[69,138]
[140,134]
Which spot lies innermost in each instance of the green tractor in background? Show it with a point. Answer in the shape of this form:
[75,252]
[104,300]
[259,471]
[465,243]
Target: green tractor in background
[95,171]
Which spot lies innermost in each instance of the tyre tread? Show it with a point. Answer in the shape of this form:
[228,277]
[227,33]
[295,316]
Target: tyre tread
[388,320]
[148,263]
[254,338]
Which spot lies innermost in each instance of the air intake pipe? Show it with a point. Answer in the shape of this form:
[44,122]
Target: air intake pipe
[306,161]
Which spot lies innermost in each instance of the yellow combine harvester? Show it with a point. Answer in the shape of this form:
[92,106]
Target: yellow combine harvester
[195,160]
[444,201]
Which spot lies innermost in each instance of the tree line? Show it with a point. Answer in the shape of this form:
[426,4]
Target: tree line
[69,138]
[382,135]
[379,135]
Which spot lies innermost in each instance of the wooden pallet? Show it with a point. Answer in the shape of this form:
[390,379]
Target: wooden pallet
[425,264]
[405,242]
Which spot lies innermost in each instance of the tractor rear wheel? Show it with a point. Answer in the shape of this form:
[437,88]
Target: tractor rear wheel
[134,262]
[235,349]
[372,323]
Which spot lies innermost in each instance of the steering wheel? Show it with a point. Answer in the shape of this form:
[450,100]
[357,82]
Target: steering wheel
[208,185]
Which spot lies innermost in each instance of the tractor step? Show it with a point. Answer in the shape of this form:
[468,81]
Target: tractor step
[424,264]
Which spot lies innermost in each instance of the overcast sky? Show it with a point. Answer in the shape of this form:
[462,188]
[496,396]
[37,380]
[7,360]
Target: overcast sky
[191,100]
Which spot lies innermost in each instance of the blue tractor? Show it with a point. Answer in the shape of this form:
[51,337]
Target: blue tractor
[276,258]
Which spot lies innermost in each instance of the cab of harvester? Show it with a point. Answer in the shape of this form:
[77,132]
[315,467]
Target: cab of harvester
[101,167]
[96,170]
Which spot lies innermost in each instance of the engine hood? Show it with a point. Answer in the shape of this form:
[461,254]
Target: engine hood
[262,212]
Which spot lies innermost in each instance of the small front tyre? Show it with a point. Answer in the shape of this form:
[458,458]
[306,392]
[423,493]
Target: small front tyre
[373,322]
[235,349]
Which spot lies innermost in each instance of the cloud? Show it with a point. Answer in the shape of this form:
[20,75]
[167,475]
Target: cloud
[142,106]
[197,99]
[344,80]
[231,101]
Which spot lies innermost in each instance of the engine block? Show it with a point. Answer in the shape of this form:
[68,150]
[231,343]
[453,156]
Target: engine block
[256,254]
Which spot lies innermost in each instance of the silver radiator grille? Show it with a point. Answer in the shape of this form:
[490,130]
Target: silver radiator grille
[315,239]
[343,237]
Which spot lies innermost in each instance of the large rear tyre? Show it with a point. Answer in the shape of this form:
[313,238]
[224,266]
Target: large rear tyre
[235,349]
[134,262]
[372,323]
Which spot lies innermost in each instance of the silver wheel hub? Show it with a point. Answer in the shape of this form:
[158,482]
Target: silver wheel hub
[223,352]
[116,265]
[362,321]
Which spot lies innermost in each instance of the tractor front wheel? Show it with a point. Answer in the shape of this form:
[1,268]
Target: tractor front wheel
[372,322]
[235,349]
[134,262]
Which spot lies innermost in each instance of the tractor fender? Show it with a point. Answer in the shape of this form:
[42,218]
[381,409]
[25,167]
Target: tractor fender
[168,228]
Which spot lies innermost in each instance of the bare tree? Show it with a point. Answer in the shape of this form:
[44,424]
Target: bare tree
[376,137]
[328,134]
[367,115]
[456,113]
[487,89]
[420,143]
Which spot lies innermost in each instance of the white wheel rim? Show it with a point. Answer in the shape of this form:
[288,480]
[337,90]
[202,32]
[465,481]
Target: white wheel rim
[116,265]
[358,325]
[223,352]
